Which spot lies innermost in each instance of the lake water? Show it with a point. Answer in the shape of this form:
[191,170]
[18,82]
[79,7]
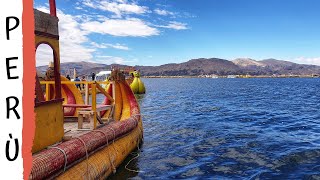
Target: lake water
[228,129]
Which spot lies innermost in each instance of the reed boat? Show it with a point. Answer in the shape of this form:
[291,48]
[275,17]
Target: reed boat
[95,142]
[92,153]
[137,85]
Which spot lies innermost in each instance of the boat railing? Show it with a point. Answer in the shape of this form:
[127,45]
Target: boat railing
[95,85]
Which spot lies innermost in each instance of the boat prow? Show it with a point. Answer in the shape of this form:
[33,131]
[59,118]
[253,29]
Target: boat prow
[96,153]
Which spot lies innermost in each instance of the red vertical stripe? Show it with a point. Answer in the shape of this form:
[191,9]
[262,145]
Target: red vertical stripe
[53,9]
[29,73]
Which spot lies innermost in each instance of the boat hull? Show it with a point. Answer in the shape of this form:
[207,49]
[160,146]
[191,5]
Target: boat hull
[102,163]
[96,154]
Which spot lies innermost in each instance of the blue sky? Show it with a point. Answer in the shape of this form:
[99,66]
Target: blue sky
[155,32]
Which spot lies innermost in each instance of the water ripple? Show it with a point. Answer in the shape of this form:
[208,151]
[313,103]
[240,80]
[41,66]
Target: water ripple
[229,129]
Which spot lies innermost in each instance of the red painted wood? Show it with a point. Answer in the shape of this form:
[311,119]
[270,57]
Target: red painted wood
[106,100]
[70,100]
[39,93]
[53,9]
[57,77]
[76,105]
[50,162]
[37,104]
[44,34]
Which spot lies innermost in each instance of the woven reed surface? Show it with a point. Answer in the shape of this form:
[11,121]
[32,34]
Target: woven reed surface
[100,164]
[50,161]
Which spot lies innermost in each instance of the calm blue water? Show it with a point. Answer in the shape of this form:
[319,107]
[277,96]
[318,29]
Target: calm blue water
[229,129]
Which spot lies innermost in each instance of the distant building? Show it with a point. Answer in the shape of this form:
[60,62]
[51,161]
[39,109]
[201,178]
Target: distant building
[231,76]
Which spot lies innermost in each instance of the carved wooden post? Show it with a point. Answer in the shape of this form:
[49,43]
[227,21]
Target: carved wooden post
[53,10]
[94,104]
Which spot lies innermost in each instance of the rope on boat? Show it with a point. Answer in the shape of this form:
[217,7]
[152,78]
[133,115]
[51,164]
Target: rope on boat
[137,153]
[132,170]
[114,170]
[65,156]
[111,163]
[87,156]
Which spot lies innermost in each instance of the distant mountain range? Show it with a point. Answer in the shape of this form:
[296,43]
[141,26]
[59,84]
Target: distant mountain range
[202,66]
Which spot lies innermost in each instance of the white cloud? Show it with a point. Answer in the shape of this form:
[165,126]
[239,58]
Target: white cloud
[104,59]
[121,27]
[44,55]
[106,45]
[74,30]
[163,12]
[101,18]
[118,7]
[174,25]
[110,60]
[72,39]
[304,60]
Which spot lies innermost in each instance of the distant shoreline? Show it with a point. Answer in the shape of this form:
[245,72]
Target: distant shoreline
[236,76]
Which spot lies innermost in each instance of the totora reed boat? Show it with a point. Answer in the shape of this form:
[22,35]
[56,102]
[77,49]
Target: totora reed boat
[88,146]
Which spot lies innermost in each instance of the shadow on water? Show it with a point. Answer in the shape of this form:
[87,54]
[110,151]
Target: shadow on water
[129,167]
[140,98]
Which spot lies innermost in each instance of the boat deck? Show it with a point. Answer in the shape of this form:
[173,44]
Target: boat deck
[71,128]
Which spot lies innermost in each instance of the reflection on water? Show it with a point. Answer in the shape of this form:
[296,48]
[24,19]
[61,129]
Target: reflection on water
[228,128]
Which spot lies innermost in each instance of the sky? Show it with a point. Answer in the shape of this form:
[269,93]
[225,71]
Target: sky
[156,32]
